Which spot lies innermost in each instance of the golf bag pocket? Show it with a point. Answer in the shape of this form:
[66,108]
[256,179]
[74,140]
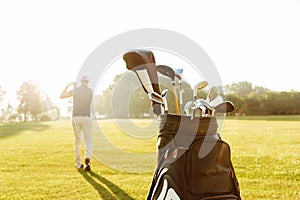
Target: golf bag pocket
[211,175]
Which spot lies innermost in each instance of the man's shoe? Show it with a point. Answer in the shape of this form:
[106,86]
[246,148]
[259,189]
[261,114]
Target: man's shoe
[78,166]
[87,161]
[87,168]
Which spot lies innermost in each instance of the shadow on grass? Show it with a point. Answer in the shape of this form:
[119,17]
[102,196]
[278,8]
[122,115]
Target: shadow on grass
[13,128]
[110,192]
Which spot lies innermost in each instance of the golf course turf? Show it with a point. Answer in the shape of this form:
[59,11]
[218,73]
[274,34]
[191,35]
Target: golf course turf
[37,160]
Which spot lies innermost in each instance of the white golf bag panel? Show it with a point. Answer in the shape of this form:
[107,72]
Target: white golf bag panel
[167,192]
[193,162]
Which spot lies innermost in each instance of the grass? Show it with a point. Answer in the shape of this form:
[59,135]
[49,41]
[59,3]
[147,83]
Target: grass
[268,118]
[266,156]
[37,159]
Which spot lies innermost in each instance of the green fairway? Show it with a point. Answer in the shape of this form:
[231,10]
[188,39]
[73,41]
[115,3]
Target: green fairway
[37,160]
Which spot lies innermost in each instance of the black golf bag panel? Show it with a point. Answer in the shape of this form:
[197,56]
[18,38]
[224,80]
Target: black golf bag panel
[193,161]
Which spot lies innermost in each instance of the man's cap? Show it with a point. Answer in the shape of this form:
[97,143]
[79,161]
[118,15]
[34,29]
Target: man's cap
[85,79]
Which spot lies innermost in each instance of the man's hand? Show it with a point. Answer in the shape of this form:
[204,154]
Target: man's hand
[72,84]
[65,93]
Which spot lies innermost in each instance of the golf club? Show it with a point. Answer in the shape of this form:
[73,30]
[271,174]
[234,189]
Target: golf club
[169,72]
[197,87]
[203,106]
[157,98]
[187,108]
[154,96]
[213,97]
[198,105]
[225,107]
[212,94]
[178,75]
[207,107]
[164,97]
[143,64]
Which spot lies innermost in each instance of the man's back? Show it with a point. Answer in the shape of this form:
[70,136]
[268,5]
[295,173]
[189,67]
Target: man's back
[82,98]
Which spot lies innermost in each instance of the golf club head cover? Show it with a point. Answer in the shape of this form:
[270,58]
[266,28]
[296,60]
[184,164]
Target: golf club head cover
[139,60]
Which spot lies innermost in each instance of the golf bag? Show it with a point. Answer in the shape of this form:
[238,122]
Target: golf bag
[193,161]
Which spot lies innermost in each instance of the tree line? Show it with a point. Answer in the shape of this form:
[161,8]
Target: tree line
[257,100]
[34,105]
[125,98]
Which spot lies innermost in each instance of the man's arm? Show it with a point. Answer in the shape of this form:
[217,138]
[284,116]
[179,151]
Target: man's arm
[65,93]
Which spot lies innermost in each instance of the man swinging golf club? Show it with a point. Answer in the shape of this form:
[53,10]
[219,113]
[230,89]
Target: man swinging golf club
[82,122]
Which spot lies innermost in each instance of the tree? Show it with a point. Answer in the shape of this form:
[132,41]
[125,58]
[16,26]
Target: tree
[125,97]
[239,107]
[296,101]
[242,88]
[2,107]
[49,110]
[262,101]
[30,100]
[2,93]
[7,112]
[35,104]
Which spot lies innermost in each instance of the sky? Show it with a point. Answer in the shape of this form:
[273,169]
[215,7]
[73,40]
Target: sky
[48,41]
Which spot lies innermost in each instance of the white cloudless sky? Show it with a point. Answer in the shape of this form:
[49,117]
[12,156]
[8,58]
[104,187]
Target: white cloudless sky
[48,41]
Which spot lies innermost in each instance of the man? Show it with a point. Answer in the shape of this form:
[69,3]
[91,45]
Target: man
[82,122]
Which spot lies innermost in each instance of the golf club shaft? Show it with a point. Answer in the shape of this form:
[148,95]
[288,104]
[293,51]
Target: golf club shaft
[194,99]
[181,97]
[176,98]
